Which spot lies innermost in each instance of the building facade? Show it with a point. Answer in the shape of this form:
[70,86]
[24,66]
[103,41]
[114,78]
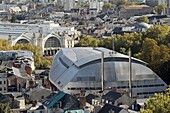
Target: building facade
[50,37]
[133,10]
[69,4]
[74,69]
[3,82]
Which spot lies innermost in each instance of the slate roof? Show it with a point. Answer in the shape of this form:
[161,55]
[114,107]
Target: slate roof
[89,98]
[68,101]
[5,98]
[40,108]
[107,108]
[53,98]
[112,96]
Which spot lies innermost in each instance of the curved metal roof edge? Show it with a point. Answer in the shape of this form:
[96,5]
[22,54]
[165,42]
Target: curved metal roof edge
[94,57]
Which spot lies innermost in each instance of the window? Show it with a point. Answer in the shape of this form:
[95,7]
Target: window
[52,42]
[59,82]
[118,87]
[145,85]
[79,88]
[139,86]
[162,84]
[73,88]
[4,82]
[151,85]
[124,86]
[156,85]
[151,92]
[0,82]
[98,88]
[86,88]
[85,78]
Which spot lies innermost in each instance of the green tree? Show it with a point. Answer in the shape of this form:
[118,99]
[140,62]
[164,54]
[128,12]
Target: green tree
[160,103]
[121,2]
[160,33]
[78,6]
[4,108]
[164,67]
[45,63]
[107,43]
[151,53]
[88,41]
[143,19]
[106,6]
[123,42]
[159,9]
[81,22]
[84,5]
[4,45]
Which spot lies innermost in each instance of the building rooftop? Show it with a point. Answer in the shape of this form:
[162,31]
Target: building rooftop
[82,55]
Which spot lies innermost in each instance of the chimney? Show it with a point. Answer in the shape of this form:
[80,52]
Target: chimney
[28,69]
[31,84]
[82,99]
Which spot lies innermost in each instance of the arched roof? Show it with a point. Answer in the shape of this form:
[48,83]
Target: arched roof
[81,56]
[143,25]
[20,38]
[86,62]
[49,36]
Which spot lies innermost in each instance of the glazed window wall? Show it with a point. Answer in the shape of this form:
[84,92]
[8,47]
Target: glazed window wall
[52,42]
[119,87]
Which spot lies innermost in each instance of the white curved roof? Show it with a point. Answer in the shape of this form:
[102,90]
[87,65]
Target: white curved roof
[81,55]
[145,25]
[84,61]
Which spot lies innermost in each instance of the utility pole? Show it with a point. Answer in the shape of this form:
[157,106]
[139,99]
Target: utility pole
[102,70]
[130,74]
[102,73]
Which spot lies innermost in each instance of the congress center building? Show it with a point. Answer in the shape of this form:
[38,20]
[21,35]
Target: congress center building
[74,69]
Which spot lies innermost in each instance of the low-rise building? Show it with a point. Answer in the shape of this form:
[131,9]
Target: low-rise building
[50,37]
[3,81]
[132,10]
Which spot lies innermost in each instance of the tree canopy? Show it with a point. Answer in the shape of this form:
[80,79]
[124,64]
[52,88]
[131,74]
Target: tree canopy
[160,33]
[143,19]
[4,108]
[88,41]
[121,2]
[151,53]
[160,103]
[159,8]
[106,6]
